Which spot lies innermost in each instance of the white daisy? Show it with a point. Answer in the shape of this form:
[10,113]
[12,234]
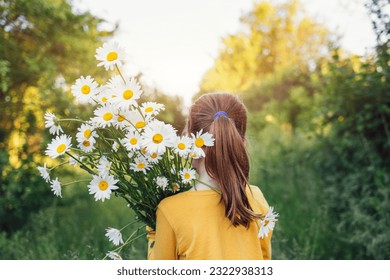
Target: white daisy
[114,256]
[111,84]
[153,157]
[58,146]
[126,93]
[85,90]
[110,54]
[187,175]
[51,122]
[200,140]
[114,235]
[268,223]
[122,119]
[137,120]
[104,166]
[102,187]
[162,182]
[183,146]
[175,187]
[85,132]
[132,141]
[141,164]
[44,173]
[157,136]
[87,145]
[56,187]
[194,155]
[105,116]
[130,154]
[115,146]
[104,95]
[151,108]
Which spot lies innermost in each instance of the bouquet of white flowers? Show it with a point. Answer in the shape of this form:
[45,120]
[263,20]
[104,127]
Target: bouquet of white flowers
[126,149]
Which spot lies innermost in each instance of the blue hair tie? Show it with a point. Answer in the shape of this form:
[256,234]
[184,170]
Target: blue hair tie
[220,113]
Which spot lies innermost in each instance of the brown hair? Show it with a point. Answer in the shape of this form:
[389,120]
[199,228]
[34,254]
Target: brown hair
[227,161]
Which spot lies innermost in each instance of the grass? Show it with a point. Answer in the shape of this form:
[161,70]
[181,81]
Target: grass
[73,228]
[292,186]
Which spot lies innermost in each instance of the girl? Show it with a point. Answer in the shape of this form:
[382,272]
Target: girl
[219,217]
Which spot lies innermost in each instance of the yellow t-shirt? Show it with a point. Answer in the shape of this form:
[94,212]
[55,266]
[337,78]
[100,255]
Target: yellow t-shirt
[192,226]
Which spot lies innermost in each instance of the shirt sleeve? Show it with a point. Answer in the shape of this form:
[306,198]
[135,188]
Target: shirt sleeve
[262,204]
[164,247]
[265,244]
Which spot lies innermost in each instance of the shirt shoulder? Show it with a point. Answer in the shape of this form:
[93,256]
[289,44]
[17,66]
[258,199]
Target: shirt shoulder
[256,197]
[187,200]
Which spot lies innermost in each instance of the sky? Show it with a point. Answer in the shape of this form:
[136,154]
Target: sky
[174,42]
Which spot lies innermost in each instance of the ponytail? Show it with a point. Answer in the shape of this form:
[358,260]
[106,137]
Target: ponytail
[227,161]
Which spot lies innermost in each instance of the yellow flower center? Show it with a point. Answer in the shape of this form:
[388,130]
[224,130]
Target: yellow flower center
[141,165]
[103,185]
[111,56]
[85,89]
[133,141]
[86,143]
[175,187]
[266,222]
[121,118]
[187,176]
[143,150]
[154,155]
[158,138]
[199,142]
[107,116]
[87,133]
[104,99]
[140,124]
[149,110]
[61,148]
[127,94]
[181,146]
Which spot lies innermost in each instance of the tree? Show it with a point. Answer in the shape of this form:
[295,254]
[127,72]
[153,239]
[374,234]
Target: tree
[45,45]
[275,37]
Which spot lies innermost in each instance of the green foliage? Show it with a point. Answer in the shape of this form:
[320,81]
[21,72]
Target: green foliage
[281,167]
[273,37]
[44,45]
[70,229]
[22,191]
[353,161]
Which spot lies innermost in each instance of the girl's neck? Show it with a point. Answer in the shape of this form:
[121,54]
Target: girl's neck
[205,182]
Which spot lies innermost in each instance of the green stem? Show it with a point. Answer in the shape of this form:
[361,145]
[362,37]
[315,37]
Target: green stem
[211,187]
[58,165]
[120,73]
[82,165]
[72,120]
[77,181]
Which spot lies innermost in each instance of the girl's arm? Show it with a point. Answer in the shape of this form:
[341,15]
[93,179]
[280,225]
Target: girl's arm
[163,245]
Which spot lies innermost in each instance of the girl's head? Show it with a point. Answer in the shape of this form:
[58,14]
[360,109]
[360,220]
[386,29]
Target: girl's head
[225,116]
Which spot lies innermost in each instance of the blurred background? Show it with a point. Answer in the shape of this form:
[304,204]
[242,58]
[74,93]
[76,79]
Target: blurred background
[318,97]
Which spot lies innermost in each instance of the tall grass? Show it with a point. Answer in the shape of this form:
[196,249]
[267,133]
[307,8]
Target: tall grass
[73,228]
[282,170]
